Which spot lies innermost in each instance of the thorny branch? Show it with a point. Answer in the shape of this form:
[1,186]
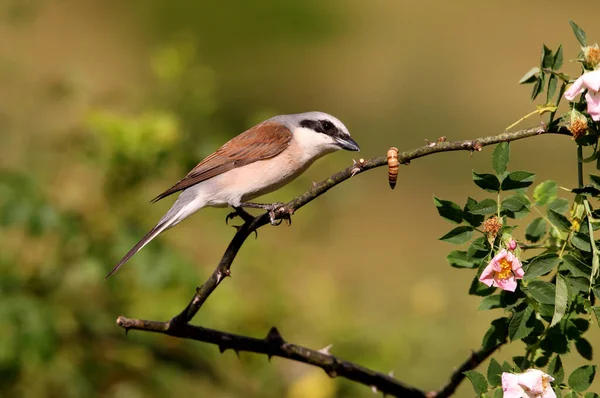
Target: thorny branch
[273,344]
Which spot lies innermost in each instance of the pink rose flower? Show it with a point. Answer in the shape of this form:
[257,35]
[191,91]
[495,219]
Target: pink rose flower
[532,383]
[591,82]
[512,245]
[503,271]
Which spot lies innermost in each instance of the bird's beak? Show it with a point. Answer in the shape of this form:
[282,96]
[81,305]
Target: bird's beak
[348,144]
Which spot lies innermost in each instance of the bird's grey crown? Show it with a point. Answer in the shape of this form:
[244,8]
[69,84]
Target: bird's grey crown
[312,120]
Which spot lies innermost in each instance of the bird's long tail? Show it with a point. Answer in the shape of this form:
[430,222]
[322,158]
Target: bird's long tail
[153,233]
[181,209]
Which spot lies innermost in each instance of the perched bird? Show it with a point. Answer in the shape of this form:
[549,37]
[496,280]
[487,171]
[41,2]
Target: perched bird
[256,162]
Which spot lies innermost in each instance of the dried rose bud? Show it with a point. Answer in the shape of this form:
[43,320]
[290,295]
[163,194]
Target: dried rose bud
[491,226]
[591,56]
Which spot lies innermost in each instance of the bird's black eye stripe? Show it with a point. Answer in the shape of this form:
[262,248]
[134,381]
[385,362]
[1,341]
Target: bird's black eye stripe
[321,126]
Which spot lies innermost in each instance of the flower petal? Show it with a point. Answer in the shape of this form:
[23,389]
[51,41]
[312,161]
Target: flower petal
[593,104]
[576,89]
[519,273]
[509,284]
[496,260]
[591,80]
[487,276]
[510,387]
[532,381]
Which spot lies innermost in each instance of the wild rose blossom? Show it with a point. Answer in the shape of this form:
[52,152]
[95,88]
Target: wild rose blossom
[591,82]
[533,383]
[512,244]
[503,271]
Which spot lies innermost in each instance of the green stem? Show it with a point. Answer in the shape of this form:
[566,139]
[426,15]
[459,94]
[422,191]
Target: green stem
[580,165]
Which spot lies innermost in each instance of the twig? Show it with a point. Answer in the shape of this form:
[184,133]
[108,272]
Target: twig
[179,325]
[458,375]
[273,345]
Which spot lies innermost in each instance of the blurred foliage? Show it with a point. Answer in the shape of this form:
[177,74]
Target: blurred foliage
[104,104]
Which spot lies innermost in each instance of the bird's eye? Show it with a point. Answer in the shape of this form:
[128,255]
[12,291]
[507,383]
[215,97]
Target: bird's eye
[327,125]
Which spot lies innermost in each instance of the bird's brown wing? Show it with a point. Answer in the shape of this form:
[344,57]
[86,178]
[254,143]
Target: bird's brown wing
[263,141]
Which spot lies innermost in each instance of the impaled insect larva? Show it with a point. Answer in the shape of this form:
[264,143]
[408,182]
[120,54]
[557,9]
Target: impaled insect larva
[392,160]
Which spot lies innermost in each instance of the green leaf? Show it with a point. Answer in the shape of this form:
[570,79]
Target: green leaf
[517,179]
[448,210]
[545,192]
[490,302]
[458,235]
[581,379]
[478,381]
[538,86]
[474,219]
[512,204]
[584,348]
[582,242]
[496,334]
[535,230]
[459,259]
[552,85]
[591,394]
[479,289]
[579,33]
[543,292]
[596,311]
[541,265]
[560,205]
[547,57]
[488,182]
[576,267]
[494,373]
[560,300]
[595,179]
[530,76]
[486,206]
[500,158]
[558,58]
[556,370]
[520,325]
[559,221]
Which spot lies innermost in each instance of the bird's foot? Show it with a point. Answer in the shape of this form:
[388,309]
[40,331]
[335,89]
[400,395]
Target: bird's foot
[239,212]
[272,209]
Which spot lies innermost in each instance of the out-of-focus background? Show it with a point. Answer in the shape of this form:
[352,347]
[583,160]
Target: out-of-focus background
[104,104]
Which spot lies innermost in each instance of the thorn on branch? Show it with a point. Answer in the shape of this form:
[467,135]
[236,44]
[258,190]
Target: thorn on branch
[325,350]
[274,337]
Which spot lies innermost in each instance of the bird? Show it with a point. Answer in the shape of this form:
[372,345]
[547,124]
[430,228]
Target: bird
[256,162]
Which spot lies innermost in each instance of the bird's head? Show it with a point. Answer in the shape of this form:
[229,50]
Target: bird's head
[318,132]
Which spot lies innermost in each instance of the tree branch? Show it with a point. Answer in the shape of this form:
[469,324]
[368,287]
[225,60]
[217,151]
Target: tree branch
[179,325]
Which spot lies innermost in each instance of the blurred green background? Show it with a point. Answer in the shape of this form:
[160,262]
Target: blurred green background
[104,104]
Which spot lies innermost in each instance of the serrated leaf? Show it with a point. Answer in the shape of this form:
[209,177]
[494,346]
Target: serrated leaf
[579,33]
[584,348]
[596,311]
[520,325]
[559,221]
[591,394]
[486,206]
[488,182]
[560,300]
[517,179]
[541,265]
[581,379]
[576,267]
[543,292]
[474,219]
[512,204]
[448,210]
[459,259]
[494,373]
[535,230]
[479,383]
[496,335]
[558,58]
[595,179]
[552,85]
[538,86]
[559,205]
[545,192]
[556,370]
[500,157]
[530,76]
[547,57]
[458,235]
[582,242]
[490,302]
